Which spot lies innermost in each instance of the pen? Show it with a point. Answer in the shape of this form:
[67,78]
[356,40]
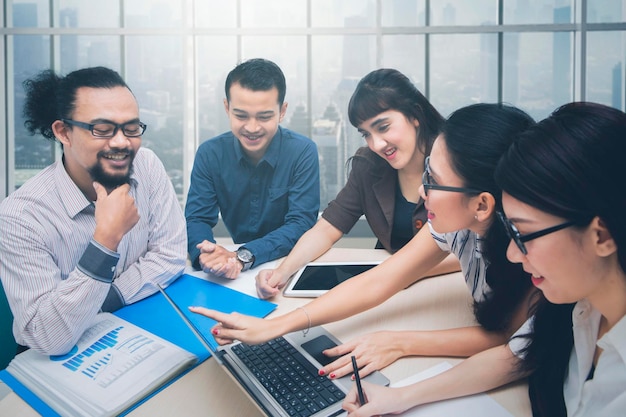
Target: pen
[357,379]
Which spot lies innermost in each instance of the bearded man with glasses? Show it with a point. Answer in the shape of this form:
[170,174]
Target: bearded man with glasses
[96,230]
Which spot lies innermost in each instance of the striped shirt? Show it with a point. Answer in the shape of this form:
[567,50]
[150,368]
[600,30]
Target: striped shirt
[57,278]
[466,245]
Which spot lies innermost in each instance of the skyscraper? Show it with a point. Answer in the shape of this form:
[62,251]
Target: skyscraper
[561,59]
[328,135]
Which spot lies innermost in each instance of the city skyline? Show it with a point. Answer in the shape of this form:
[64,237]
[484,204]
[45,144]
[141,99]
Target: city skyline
[453,69]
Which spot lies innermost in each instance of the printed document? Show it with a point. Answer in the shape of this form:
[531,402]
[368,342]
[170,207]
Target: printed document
[478,405]
[113,365]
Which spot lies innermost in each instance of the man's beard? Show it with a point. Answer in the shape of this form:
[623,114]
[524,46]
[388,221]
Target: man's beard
[109,181]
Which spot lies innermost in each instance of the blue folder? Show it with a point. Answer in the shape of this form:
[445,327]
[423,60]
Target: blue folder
[156,315]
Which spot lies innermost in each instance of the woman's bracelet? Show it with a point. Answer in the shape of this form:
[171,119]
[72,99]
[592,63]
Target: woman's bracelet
[305,331]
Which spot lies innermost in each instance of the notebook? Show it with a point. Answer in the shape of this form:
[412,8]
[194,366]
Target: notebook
[280,375]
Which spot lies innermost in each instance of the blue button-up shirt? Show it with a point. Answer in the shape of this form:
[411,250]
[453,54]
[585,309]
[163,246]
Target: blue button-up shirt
[267,206]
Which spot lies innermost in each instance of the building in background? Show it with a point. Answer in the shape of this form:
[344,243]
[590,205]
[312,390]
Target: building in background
[535,54]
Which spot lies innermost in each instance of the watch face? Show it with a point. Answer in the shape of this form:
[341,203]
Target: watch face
[244,255]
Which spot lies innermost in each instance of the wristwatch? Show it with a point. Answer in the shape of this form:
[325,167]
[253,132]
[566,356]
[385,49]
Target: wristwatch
[245,257]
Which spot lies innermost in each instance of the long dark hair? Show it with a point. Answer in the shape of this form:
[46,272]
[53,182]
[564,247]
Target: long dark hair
[50,97]
[569,165]
[388,89]
[476,137]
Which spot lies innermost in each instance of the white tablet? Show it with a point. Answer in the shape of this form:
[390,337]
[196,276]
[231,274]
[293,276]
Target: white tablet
[318,277]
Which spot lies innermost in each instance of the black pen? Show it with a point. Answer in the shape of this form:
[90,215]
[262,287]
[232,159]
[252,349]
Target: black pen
[357,379]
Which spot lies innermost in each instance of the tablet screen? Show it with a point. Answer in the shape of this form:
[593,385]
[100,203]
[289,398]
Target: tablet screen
[314,279]
[325,277]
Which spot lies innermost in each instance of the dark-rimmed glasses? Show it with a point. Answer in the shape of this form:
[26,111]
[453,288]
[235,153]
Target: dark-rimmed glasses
[519,238]
[107,130]
[429,183]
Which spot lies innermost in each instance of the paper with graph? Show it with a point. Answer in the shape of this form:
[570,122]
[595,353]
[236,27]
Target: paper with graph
[112,366]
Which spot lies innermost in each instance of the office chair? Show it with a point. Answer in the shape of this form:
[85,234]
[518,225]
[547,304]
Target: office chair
[7,346]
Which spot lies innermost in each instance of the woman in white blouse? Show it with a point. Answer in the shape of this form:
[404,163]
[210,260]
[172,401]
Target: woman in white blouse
[565,181]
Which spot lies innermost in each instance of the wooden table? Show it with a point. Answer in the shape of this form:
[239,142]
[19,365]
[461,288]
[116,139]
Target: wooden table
[434,303]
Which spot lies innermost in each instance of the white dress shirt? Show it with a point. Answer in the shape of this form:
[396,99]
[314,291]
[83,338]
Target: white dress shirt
[604,394]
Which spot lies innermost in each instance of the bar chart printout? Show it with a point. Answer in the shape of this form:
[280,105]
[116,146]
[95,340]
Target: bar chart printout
[112,366]
[112,355]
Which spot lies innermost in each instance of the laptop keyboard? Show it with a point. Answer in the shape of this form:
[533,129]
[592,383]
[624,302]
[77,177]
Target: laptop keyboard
[289,377]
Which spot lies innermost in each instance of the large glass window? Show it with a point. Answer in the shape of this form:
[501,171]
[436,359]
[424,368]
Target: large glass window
[533,12]
[346,14]
[92,14]
[463,12]
[260,14]
[606,11]
[215,14]
[28,13]
[175,55]
[398,13]
[464,70]
[153,14]
[338,63]
[394,55]
[215,57]
[537,73]
[79,51]
[605,68]
[31,54]
[155,74]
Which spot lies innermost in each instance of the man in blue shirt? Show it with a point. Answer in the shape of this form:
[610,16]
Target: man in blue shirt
[263,178]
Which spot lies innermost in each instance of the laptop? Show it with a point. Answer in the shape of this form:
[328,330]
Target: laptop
[280,375]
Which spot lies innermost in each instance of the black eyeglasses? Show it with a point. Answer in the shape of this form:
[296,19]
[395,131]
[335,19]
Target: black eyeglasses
[519,238]
[107,130]
[429,183]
